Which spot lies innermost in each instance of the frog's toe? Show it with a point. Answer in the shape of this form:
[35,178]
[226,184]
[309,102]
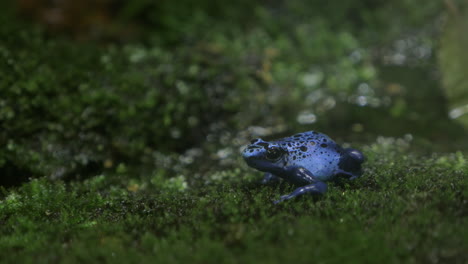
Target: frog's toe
[282,198]
[348,175]
[315,188]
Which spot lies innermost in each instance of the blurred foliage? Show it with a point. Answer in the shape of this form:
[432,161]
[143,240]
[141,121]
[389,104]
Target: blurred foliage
[194,82]
[454,60]
[109,103]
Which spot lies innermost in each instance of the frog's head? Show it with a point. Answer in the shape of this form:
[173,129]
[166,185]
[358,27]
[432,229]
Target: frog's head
[264,156]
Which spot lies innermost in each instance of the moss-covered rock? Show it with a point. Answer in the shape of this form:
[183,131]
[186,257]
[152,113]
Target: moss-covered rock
[420,198]
[76,109]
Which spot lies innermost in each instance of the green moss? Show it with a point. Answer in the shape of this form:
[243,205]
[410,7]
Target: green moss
[406,207]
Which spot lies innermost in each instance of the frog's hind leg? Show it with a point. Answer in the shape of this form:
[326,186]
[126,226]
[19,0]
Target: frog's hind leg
[314,188]
[270,178]
[356,155]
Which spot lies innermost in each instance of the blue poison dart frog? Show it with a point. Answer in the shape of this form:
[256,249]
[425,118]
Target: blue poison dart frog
[306,159]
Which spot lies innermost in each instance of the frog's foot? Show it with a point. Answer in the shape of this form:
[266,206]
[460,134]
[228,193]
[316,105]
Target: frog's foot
[270,178]
[349,175]
[315,188]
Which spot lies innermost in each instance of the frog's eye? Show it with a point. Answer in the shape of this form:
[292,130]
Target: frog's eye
[273,153]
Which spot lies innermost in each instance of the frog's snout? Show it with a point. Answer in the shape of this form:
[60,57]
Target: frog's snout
[251,150]
[255,150]
[253,141]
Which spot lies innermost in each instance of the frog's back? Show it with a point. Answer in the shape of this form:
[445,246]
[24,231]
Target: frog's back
[313,151]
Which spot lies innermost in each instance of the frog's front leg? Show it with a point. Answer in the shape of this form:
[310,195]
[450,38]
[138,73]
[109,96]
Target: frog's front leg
[269,178]
[301,176]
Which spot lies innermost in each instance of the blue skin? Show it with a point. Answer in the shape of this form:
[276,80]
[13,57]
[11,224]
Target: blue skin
[306,159]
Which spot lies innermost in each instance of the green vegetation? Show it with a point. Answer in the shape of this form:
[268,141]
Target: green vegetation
[119,139]
[453,59]
[405,208]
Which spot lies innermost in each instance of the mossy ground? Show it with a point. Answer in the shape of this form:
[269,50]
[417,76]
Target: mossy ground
[406,208]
